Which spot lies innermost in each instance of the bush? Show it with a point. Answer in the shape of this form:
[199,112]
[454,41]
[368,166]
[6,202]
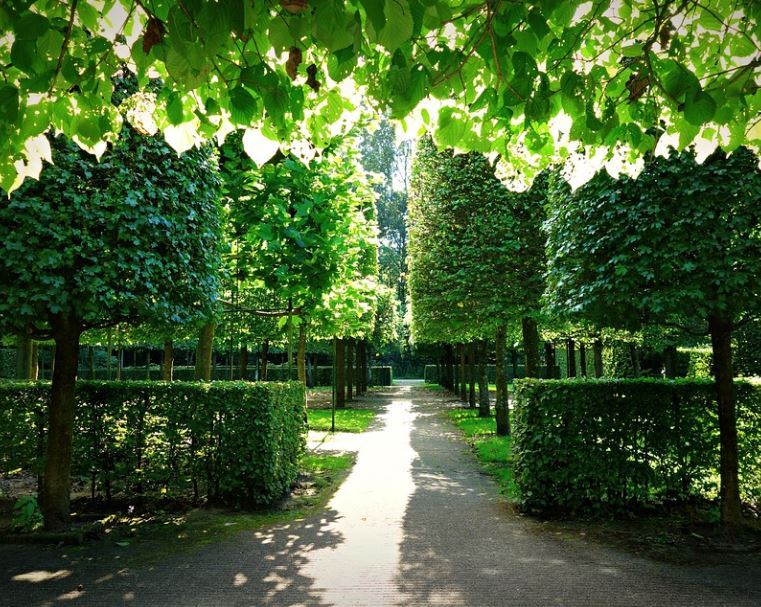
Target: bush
[581,446]
[699,362]
[431,373]
[381,376]
[236,442]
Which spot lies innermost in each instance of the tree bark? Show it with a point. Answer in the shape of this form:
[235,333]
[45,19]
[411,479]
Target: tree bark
[483,379]
[571,358]
[549,360]
[264,362]
[472,375]
[634,355]
[57,476]
[204,352]
[669,355]
[501,407]
[583,359]
[531,346]
[463,374]
[349,369]
[301,356]
[24,357]
[597,353]
[340,368]
[721,341]
[167,361]
[243,362]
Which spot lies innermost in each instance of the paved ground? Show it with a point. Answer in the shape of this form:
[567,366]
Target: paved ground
[414,524]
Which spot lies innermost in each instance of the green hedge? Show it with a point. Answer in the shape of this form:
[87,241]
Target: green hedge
[237,442]
[596,444]
[321,376]
[431,374]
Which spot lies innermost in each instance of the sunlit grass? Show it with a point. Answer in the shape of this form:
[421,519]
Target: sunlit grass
[347,420]
[493,452]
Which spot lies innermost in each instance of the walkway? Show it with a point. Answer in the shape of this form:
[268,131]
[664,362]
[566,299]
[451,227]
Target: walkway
[415,523]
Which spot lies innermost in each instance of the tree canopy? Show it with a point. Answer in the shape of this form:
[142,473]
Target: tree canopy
[530,77]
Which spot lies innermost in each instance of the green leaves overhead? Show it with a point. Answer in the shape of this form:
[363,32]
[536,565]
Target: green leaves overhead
[614,68]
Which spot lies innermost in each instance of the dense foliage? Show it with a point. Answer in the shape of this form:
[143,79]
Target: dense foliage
[614,444]
[502,70]
[232,441]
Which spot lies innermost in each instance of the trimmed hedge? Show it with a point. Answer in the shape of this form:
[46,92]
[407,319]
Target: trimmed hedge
[236,442]
[431,373]
[321,376]
[581,446]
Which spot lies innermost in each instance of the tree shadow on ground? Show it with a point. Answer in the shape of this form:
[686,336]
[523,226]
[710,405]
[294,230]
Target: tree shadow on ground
[464,546]
[257,568]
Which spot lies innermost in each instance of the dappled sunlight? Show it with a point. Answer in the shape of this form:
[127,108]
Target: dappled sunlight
[36,577]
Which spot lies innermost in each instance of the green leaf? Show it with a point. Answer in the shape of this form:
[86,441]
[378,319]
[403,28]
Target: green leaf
[538,23]
[242,105]
[174,109]
[24,56]
[9,103]
[633,50]
[374,10]
[30,26]
[451,127]
[398,27]
[699,108]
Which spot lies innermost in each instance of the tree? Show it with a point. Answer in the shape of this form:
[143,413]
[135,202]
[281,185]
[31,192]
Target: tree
[92,244]
[627,253]
[503,70]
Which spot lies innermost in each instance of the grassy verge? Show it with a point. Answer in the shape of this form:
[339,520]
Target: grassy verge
[153,538]
[347,420]
[493,452]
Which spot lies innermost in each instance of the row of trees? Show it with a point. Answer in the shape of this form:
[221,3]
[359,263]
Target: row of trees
[199,244]
[664,257]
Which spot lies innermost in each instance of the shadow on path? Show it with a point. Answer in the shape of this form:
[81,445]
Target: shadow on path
[463,546]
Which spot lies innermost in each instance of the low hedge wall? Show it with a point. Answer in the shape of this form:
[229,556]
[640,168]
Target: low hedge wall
[431,373]
[237,442]
[321,376]
[580,446]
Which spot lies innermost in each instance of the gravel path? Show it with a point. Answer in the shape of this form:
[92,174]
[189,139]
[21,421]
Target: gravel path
[415,523]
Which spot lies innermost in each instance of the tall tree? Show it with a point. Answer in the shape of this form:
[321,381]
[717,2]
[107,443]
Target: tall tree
[92,244]
[625,253]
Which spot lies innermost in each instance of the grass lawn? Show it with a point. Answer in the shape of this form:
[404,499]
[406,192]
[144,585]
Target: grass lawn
[153,537]
[347,420]
[493,452]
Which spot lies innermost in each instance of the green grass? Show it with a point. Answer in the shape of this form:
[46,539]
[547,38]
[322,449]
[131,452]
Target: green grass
[493,452]
[153,538]
[347,420]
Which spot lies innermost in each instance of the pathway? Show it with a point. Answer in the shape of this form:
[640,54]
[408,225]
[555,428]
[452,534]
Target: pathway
[415,523]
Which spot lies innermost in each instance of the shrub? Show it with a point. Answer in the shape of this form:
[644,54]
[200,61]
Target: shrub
[586,445]
[431,374]
[381,376]
[231,441]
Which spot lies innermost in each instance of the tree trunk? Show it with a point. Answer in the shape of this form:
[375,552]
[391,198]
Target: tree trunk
[501,407]
[167,361]
[583,359]
[570,358]
[204,352]
[531,346]
[243,362]
[472,376]
[340,367]
[463,374]
[549,360]
[119,362]
[634,355]
[301,356]
[349,369]
[264,362]
[721,341]
[669,355]
[57,477]
[147,363]
[483,379]
[24,357]
[363,366]
[597,352]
